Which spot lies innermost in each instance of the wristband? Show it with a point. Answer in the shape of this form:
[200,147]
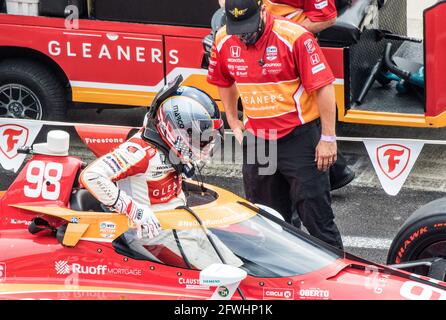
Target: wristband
[328,138]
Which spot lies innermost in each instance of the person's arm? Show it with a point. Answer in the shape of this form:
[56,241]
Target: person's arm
[320,15]
[317,77]
[99,179]
[318,26]
[229,96]
[326,151]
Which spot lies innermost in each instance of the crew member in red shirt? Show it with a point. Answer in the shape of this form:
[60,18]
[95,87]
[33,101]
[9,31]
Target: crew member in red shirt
[286,85]
[316,16]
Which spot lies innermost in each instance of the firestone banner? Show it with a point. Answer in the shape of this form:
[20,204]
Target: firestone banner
[17,133]
[393,161]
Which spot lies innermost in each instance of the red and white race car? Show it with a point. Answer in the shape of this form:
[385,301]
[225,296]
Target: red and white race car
[56,242]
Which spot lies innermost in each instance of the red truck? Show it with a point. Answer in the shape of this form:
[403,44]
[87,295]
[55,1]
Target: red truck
[124,51]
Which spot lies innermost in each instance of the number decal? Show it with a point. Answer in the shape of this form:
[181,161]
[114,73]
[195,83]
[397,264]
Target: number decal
[418,291]
[2,272]
[44,179]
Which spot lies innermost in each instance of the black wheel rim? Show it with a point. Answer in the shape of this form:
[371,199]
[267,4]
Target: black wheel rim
[18,101]
[434,250]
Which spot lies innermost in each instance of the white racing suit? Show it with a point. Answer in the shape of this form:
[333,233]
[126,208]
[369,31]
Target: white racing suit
[137,174]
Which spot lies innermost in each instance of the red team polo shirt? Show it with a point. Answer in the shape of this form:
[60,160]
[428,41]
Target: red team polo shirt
[298,10]
[276,78]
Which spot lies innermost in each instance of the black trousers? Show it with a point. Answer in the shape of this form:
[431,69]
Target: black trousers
[297,189]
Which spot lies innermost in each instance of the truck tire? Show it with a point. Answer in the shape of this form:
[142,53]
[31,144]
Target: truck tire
[29,90]
[422,236]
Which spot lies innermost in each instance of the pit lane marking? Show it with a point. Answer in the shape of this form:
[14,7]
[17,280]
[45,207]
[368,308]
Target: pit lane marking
[366,242]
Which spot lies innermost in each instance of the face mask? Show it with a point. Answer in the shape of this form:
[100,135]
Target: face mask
[250,39]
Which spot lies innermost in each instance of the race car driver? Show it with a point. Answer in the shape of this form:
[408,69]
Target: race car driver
[144,174]
[286,85]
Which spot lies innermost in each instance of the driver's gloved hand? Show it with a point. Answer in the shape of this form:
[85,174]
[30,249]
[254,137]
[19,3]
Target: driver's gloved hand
[143,217]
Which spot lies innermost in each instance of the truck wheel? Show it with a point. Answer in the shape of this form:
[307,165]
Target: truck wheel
[422,236]
[30,91]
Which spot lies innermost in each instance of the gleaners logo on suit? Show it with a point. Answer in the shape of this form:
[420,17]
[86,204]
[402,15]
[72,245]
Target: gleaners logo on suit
[261,100]
[238,12]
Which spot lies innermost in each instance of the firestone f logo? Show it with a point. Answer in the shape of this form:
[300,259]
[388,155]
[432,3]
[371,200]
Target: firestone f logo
[393,159]
[12,138]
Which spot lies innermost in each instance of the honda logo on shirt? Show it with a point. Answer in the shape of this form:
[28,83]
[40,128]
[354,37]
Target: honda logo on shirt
[236,51]
[315,59]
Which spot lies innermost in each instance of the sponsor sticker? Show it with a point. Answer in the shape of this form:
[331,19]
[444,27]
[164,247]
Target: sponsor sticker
[393,161]
[74,220]
[107,229]
[2,271]
[315,59]
[15,133]
[223,291]
[271,53]
[62,267]
[309,45]
[321,5]
[318,68]
[236,51]
[278,294]
[314,294]
[192,284]
[23,222]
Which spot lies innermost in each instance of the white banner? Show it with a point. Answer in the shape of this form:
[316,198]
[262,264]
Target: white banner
[393,161]
[14,134]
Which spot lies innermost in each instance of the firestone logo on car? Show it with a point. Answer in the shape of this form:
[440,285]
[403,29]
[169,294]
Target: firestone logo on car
[12,136]
[62,267]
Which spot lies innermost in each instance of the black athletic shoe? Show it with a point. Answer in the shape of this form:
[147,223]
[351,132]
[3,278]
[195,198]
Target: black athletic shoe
[340,176]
